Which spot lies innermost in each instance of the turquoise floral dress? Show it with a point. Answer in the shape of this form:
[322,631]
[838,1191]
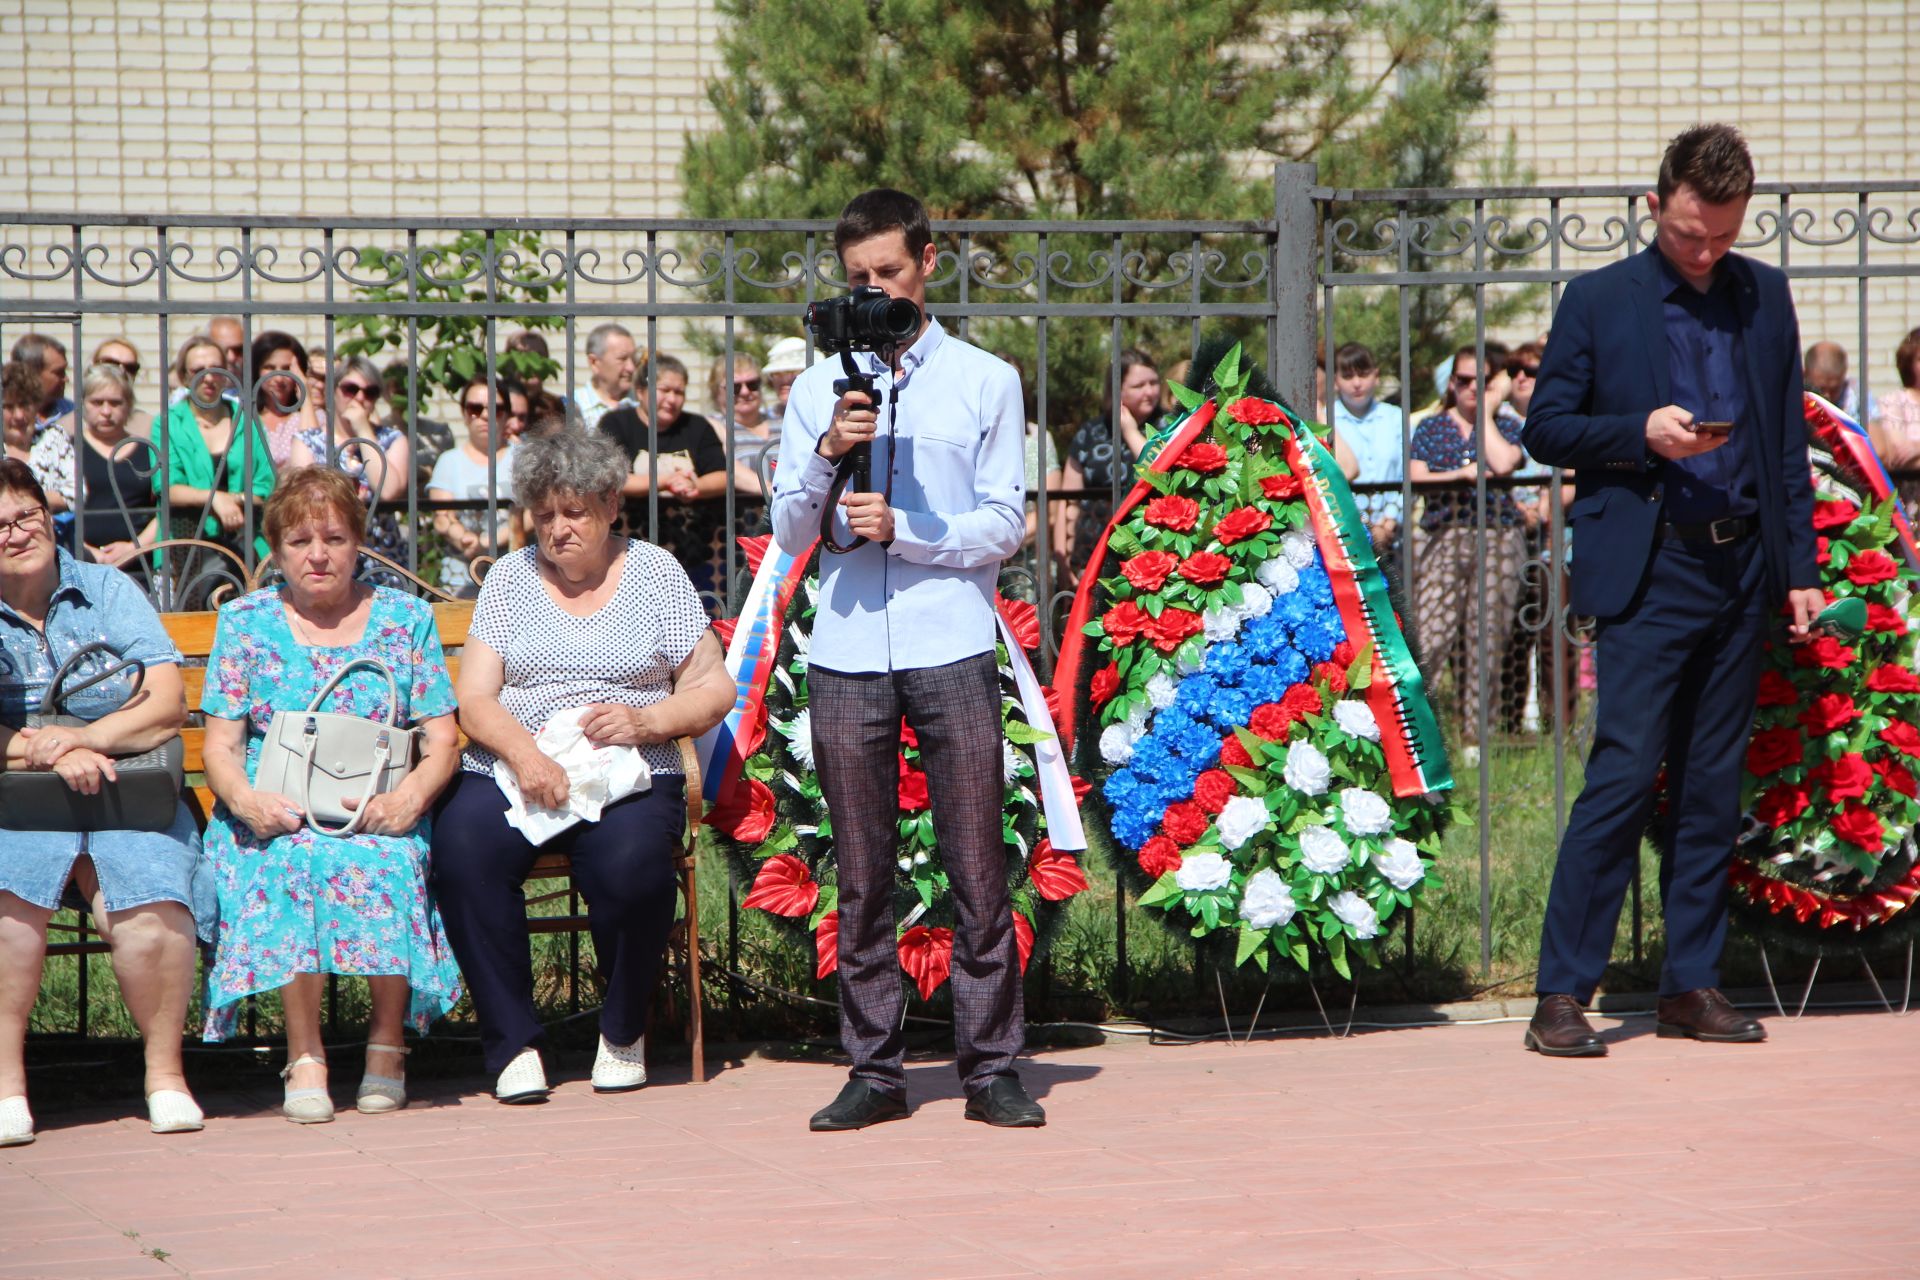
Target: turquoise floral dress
[305,902]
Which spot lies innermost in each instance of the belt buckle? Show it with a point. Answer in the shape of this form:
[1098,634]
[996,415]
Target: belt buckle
[1730,523]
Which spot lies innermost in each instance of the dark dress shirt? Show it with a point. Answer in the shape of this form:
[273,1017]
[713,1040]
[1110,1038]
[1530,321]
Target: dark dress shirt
[1705,357]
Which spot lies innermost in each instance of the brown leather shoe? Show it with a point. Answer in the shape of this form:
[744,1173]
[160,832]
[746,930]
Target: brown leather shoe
[1560,1030]
[1706,1015]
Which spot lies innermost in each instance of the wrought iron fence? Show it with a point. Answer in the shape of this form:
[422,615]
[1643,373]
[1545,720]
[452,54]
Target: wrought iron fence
[1419,271]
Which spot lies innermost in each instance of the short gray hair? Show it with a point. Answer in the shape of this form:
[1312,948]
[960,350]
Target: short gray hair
[362,366]
[107,375]
[598,335]
[587,465]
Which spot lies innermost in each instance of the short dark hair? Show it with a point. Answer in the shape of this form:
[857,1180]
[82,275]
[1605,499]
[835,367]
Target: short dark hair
[1353,358]
[665,364]
[1713,160]
[17,477]
[33,349]
[19,384]
[876,212]
[269,342]
[1906,356]
[528,340]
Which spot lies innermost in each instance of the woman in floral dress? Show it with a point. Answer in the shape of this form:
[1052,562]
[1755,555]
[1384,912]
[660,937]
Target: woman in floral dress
[293,903]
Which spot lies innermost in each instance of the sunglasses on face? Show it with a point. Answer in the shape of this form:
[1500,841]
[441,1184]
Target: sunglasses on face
[129,367]
[1516,370]
[359,390]
[746,385]
[1464,379]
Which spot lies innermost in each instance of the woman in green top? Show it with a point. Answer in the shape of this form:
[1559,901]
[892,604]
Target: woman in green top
[209,465]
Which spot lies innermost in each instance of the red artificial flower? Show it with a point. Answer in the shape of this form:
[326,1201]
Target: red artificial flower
[1125,621]
[1148,571]
[1205,457]
[1882,617]
[1834,513]
[1212,790]
[1333,674]
[1280,488]
[913,787]
[1056,875]
[784,887]
[1240,524]
[1023,939]
[1902,737]
[1173,512]
[1159,856]
[1256,412]
[1847,778]
[1081,788]
[1023,620]
[1205,568]
[1822,550]
[1781,804]
[826,945]
[1106,683]
[927,956]
[1860,826]
[909,740]
[1897,777]
[1892,679]
[1302,700]
[746,812]
[1270,720]
[1828,712]
[1776,690]
[1185,822]
[1234,752]
[1172,627]
[1871,566]
[1823,651]
[1344,654]
[1773,750]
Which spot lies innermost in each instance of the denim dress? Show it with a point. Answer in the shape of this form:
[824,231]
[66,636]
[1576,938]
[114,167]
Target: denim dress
[94,603]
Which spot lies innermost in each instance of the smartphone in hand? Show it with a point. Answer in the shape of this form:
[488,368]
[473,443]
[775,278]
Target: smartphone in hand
[1712,428]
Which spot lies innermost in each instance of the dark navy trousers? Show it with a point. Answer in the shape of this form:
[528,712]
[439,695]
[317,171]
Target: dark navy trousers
[1678,675]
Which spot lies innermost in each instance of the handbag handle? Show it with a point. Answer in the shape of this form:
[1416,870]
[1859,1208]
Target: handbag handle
[365,660]
[57,693]
[309,743]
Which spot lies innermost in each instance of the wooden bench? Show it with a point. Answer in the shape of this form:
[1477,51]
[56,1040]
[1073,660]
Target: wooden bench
[193,634]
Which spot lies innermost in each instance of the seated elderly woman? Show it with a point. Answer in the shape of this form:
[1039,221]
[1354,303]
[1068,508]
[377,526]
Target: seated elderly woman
[295,903]
[141,885]
[580,619]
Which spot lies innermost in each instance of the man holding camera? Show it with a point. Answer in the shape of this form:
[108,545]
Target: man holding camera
[905,629]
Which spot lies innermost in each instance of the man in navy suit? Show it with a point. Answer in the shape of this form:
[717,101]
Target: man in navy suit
[1671,385]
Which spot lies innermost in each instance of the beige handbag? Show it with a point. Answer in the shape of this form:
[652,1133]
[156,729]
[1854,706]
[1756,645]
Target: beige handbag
[321,759]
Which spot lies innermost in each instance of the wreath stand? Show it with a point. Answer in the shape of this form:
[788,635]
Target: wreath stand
[1806,994]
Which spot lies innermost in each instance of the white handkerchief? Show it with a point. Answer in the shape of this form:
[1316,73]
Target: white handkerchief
[596,777]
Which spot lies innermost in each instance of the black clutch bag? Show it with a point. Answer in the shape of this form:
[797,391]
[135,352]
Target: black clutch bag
[145,796]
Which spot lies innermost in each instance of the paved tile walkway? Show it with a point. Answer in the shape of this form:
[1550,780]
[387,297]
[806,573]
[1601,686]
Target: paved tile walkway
[1432,1152]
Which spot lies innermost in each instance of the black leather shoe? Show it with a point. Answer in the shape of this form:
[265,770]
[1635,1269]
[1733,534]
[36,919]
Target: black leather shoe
[1560,1030]
[1706,1015]
[1004,1102]
[859,1105]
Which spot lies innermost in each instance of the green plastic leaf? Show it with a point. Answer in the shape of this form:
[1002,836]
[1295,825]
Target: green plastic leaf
[1298,950]
[1360,670]
[1337,954]
[1161,892]
[829,901]
[1025,734]
[1255,745]
[1251,941]
[1227,373]
[1188,398]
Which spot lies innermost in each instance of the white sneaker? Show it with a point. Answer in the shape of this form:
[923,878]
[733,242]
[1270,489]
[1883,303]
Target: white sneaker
[16,1122]
[620,1068]
[524,1080]
[171,1111]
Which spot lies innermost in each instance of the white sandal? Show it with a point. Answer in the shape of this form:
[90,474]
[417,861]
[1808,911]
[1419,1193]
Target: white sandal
[380,1094]
[305,1106]
[172,1111]
[16,1122]
[523,1081]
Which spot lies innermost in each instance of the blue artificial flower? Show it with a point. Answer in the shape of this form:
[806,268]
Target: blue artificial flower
[1295,608]
[1196,693]
[1268,643]
[1122,788]
[1232,708]
[1226,662]
[1317,638]
[1200,746]
[1171,723]
[1152,759]
[1133,827]
[1315,585]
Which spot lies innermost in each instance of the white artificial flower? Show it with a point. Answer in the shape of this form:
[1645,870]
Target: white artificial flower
[1137,714]
[1357,912]
[1254,600]
[1307,770]
[1116,743]
[1222,622]
[1355,718]
[1323,851]
[1399,861]
[1277,576]
[1010,762]
[1267,902]
[1365,813]
[1202,871]
[1161,689]
[1243,818]
[800,741]
[1192,658]
[1297,547]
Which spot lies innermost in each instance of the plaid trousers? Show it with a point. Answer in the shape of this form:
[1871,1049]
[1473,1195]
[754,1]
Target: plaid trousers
[955,711]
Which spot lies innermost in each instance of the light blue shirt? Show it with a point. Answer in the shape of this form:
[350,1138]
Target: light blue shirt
[959,504]
[1377,445]
[592,408]
[91,604]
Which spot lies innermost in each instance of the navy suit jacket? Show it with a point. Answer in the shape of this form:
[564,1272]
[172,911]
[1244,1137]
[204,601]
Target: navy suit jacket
[1605,370]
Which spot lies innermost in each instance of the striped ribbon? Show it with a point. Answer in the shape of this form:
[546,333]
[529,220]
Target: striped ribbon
[751,656]
[1852,441]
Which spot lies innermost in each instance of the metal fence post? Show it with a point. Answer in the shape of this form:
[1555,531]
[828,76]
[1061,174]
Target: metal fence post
[1290,340]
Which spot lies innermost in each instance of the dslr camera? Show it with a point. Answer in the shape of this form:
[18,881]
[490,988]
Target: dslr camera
[864,320]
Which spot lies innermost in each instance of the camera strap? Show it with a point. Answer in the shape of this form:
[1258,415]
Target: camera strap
[856,465]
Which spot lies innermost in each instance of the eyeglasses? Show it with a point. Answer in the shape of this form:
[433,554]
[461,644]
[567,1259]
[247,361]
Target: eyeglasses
[746,384]
[1464,379]
[358,389]
[1516,369]
[129,367]
[27,522]
[475,408]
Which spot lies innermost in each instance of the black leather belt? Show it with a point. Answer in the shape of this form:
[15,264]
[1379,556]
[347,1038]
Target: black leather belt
[1717,533]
